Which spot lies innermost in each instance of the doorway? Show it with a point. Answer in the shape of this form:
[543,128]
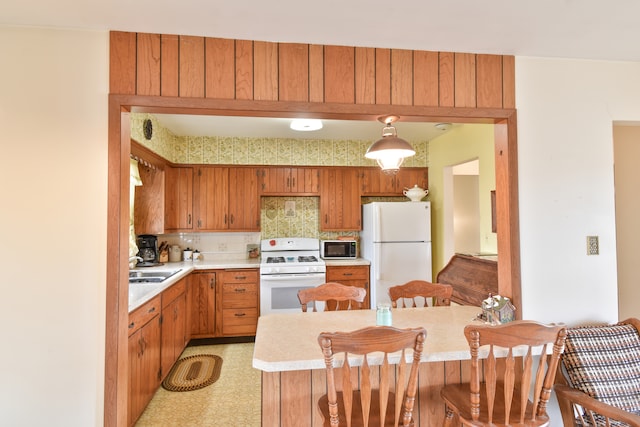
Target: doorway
[504,123]
[626,152]
[466,207]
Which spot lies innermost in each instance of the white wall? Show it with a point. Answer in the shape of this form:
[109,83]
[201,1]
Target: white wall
[566,110]
[53,192]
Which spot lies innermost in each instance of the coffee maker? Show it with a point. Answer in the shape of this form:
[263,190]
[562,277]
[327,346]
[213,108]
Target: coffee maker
[147,250]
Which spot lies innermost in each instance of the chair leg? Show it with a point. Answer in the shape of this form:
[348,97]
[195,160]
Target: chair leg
[448,418]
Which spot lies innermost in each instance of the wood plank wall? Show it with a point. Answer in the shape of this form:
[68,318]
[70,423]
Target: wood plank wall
[205,67]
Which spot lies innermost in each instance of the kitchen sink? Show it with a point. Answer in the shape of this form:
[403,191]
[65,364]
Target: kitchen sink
[137,276]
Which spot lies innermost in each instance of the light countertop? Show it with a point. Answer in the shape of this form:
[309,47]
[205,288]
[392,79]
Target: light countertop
[139,293]
[289,341]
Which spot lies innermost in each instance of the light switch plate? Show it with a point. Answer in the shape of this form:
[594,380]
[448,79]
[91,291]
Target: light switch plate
[593,247]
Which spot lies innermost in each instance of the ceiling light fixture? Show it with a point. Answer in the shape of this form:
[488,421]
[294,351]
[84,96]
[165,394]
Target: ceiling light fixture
[306,125]
[443,126]
[390,151]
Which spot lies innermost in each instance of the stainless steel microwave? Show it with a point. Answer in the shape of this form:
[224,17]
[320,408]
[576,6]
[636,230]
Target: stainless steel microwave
[338,249]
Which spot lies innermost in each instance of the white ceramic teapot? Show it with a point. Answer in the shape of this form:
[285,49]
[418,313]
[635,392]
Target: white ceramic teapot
[416,193]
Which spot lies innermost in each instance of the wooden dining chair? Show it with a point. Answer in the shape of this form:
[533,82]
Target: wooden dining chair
[420,291]
[498,395]
[365,405]
[335,296]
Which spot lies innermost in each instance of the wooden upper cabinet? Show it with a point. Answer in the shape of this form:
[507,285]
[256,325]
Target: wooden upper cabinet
[373,182]
[211,196]
[226,198]
[340,199]
[408,177]
[244,201]
[178,213]
[149,201]
[278,180]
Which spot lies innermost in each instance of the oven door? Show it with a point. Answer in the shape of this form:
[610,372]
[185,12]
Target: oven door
[279,292]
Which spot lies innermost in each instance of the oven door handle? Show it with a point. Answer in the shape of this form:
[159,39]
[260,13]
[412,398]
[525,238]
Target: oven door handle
[289,277]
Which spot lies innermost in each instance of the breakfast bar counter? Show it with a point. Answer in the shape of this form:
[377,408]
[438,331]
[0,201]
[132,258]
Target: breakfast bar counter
[293,371]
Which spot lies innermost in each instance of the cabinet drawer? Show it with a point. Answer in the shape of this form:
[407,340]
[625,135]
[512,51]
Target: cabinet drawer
[239,295]
[140,316]
[239,321]
[240,276]
[173,292]
[335,274]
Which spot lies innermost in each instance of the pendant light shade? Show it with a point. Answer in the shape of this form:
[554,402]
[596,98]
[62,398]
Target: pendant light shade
[390,151]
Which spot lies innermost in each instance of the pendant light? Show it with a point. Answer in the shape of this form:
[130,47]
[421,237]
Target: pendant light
[390,151]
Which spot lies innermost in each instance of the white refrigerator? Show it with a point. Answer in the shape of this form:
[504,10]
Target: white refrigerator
[396,239]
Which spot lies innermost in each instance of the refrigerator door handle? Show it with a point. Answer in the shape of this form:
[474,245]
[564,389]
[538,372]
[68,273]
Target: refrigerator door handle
[376,264]
[377,236]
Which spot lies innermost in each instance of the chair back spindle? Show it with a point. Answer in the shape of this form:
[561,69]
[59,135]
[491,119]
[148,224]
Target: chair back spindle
[336,296]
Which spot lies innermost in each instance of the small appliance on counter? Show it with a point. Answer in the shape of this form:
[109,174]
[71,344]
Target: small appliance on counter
[147,250]
[338,249]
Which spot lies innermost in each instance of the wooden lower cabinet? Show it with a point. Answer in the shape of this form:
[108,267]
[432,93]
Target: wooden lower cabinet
[238,299]
[144,357]
[351,275]
[174,325]
[224,303]
[203,303]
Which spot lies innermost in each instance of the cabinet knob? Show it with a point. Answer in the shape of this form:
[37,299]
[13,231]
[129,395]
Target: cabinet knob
[212,283]
[240,314]
[240,290]
[189,219]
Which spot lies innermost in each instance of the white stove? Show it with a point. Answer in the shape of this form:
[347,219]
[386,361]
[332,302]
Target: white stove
[287,266]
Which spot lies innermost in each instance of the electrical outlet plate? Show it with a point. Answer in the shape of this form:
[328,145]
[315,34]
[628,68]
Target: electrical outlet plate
[593,247]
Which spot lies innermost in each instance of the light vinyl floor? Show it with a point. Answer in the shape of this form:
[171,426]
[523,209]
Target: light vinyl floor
[234,399]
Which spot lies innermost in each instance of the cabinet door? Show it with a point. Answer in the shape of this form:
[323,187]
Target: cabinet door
[144,367]
[149,202]
[304,181]
[203,303]
[373,182]
[244,201]
[212,199]
[134,397]
[408,177]
[351,276]
[173,325]
[150,362]
[286,181]
[340,199]
[178,213]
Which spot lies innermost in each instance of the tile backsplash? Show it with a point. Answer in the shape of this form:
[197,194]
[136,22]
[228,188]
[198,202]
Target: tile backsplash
[218,246]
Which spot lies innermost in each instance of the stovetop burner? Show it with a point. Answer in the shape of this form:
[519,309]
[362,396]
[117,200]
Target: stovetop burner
[291,255]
